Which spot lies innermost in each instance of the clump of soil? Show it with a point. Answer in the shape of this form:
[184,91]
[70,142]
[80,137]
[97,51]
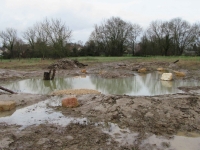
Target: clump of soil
[45,137]
[66,64]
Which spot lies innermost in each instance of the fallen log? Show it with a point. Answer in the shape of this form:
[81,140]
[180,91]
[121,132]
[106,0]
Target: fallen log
[176,61]
[7,90]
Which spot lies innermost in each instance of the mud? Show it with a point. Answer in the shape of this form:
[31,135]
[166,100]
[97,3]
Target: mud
[113,121]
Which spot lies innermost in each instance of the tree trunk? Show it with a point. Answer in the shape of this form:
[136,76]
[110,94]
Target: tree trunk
[2,88]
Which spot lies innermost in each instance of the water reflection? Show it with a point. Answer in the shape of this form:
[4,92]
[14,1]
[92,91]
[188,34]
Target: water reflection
[39,86]
[145,84]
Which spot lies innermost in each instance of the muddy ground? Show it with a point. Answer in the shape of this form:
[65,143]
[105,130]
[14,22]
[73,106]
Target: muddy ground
[144,116]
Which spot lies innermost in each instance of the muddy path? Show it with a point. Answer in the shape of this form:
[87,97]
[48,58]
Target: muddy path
[112,121]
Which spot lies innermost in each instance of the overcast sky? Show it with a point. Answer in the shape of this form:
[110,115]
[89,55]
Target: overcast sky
[81,15]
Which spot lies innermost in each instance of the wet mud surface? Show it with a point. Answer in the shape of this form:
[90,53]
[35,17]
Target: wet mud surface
[112,121]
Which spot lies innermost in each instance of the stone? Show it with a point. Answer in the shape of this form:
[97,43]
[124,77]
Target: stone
[149,114]
[179,74]
[70,102]
[69,137]
[160,69]
[167,76]
[142,70]
[7,105]
[42,141]
[83,71]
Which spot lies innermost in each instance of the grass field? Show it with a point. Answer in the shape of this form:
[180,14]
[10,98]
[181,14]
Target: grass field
[36,63]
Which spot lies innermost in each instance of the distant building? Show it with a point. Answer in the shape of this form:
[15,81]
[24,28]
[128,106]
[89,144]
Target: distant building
[189,53]
[2,50]
[74,45]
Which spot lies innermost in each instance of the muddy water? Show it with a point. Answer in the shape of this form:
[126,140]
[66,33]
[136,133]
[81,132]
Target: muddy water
[40,113]
[176,143]
[181,141]
[140,84]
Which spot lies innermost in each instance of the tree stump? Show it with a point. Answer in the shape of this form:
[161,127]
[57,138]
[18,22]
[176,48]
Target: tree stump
[47,75]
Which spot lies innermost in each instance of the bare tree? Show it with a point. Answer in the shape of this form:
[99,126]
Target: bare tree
[9,37]
[30,36]
[19,48]
[184,34]
[136,31]
[160,33]
[41,40]
[114,36]
[58,33]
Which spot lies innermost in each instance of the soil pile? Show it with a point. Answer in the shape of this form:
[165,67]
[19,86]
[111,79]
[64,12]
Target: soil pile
[66,64]
[75,92]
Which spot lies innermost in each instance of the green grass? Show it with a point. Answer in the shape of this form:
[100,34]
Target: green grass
[36,63]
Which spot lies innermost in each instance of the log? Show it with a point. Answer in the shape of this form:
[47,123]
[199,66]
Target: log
[7,90]
[176,61]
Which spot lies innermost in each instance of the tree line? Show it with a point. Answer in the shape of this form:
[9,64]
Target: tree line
[113,37]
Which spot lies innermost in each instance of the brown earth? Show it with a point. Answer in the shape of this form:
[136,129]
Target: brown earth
[163,115]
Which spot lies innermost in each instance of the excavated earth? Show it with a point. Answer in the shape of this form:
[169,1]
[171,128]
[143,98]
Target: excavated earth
[161,115]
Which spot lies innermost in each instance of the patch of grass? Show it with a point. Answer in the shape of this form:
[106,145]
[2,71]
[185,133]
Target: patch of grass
[37,63]
[22,64]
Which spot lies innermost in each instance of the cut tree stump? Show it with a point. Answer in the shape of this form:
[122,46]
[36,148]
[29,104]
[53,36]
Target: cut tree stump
[47,75]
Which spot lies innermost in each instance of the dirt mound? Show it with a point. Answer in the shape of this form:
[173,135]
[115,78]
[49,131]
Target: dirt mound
[75,92]
[66,64]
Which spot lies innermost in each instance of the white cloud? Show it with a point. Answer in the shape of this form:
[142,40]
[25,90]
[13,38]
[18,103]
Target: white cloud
[81,15]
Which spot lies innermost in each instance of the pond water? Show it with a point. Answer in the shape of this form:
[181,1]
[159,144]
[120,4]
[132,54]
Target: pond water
[140,84]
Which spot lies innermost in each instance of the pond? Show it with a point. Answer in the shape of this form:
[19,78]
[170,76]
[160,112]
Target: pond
[140,84]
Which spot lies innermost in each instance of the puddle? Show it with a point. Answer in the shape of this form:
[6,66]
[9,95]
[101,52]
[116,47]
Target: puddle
[123,136]
[181,141]
[40,113]
[176,143]
[146,84]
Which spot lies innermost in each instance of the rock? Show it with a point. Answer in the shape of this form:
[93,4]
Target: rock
[69,137]
[179,74]
[167,76]
[42,141]
[142,70]
[70,102]
[160,69]
[83,71]
[7,105]
[149,114]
